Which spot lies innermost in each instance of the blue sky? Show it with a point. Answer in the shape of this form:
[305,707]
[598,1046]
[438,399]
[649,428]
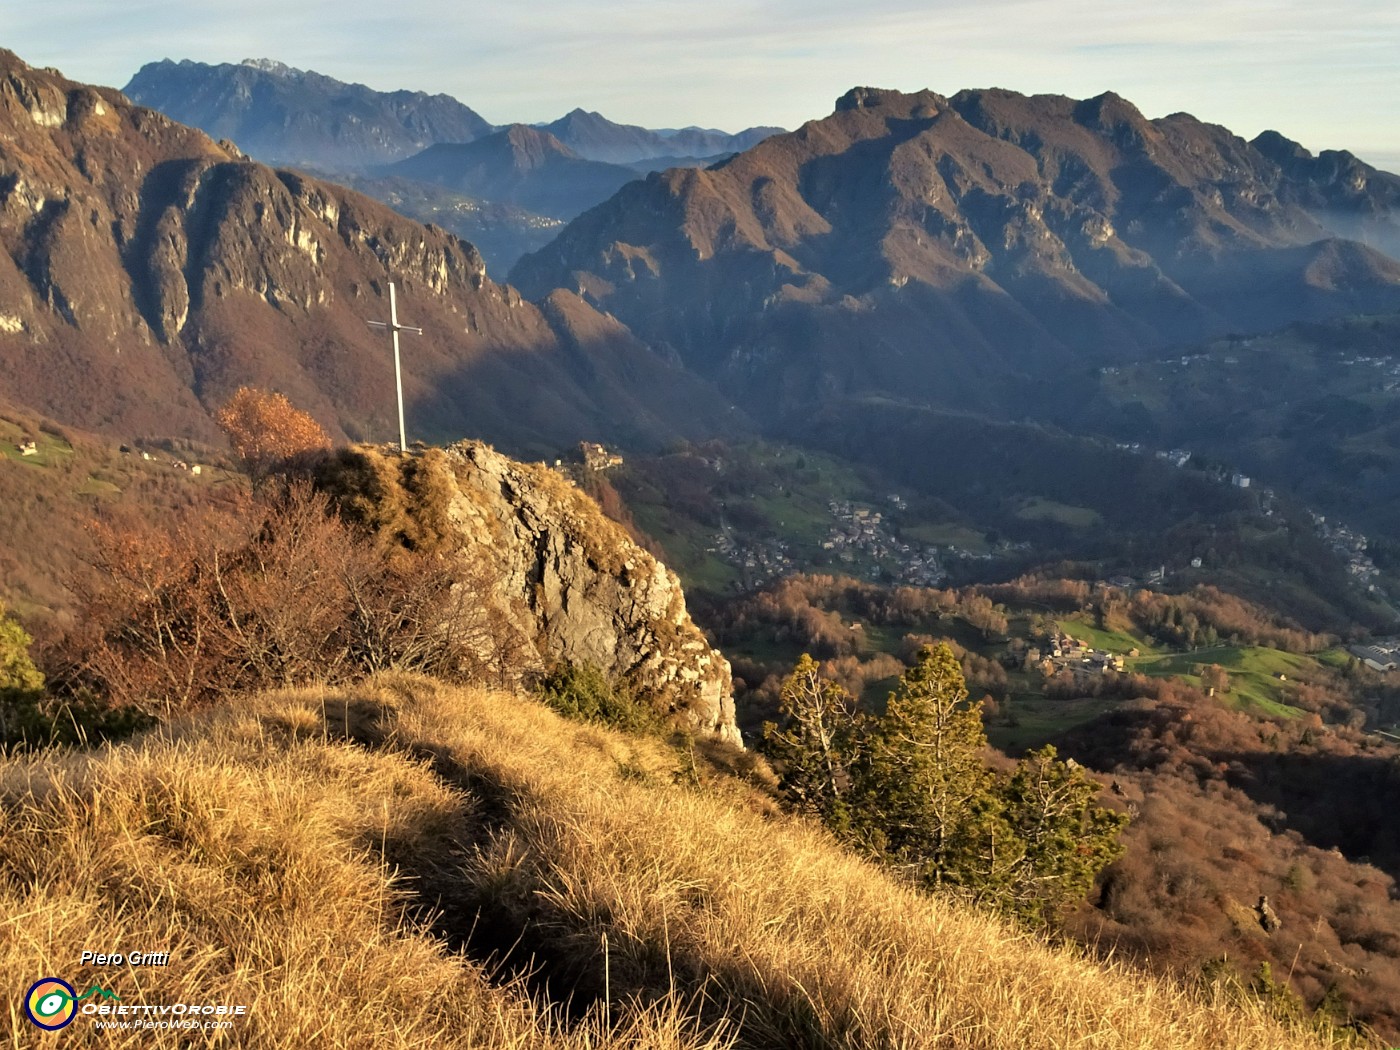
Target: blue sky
[1327,75]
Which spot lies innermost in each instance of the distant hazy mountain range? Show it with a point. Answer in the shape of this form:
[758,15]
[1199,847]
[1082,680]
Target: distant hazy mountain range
[146,272]
[519,165]
[593,136]
[282,115]
[960,253]
[285,116]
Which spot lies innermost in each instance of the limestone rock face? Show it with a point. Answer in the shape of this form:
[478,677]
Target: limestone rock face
[1268,918]
[147,272]
[571,583]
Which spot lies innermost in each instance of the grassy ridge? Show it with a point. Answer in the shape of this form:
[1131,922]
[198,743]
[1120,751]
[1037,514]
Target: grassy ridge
[1258,675]
[1254,672]
[339,860]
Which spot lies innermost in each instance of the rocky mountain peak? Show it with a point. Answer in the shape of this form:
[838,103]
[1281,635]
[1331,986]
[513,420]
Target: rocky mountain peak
[147,272]
[1279,148]
[587,117]
[1117,119]
[529,146]
[594,137]
[520,165]
[888,99]
[283,115]
[1028,232]
[269,65]
[568,584]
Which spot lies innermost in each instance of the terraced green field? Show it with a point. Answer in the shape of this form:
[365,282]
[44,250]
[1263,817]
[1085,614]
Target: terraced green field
[51,450]
[1258,677]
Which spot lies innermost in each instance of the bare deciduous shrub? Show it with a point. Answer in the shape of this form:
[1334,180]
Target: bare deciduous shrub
[272,591]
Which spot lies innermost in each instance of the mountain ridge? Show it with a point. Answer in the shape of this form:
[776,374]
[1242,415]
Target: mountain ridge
[520,165]
[283,115]
[147,272]
[595,137]
[1030,233]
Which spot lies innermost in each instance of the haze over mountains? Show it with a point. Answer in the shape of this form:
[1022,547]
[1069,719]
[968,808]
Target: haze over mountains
[983,298]
[927,250]
[934,249]
[593,136]
[519,165]
[147,272]
[282,115]
[285,116]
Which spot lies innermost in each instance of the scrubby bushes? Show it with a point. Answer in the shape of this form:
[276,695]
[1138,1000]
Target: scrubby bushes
[266,591]
[21,683]
[264,429]
[585,692]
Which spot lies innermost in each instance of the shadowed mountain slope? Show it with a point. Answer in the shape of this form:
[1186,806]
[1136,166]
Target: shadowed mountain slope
[519,165]
[147,272]
[1342,192]
[594,136]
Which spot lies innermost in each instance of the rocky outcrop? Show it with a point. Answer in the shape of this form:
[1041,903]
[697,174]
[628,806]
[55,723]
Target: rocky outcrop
[569,584]
[1268,918]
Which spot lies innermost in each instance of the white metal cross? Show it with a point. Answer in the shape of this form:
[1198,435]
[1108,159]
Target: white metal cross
[393,326]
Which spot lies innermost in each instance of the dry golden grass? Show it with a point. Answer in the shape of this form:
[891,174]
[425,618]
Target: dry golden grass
[256,860]
[319,856]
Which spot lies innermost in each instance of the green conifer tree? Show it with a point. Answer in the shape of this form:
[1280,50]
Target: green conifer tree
[913,789]
[1066,838]
[927,800]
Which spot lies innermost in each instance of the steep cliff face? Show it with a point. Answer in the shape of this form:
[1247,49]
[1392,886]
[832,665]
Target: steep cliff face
[146,272]
[568,583]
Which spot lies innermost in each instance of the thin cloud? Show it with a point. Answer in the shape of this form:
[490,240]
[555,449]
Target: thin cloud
[1328,75]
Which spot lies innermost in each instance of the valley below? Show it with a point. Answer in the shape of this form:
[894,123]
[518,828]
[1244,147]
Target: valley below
[1077,423]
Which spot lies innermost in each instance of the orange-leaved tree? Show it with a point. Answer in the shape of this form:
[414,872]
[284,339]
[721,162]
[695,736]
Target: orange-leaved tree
[265,428]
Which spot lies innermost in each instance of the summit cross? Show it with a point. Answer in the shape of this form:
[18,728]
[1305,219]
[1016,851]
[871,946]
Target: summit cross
[394,327]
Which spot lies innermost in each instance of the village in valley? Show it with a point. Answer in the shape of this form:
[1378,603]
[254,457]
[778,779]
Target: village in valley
[1062,652]
[861,541]
[862,534]
[1349,545]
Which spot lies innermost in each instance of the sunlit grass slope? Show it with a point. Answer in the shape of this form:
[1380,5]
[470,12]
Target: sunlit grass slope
[406,864]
